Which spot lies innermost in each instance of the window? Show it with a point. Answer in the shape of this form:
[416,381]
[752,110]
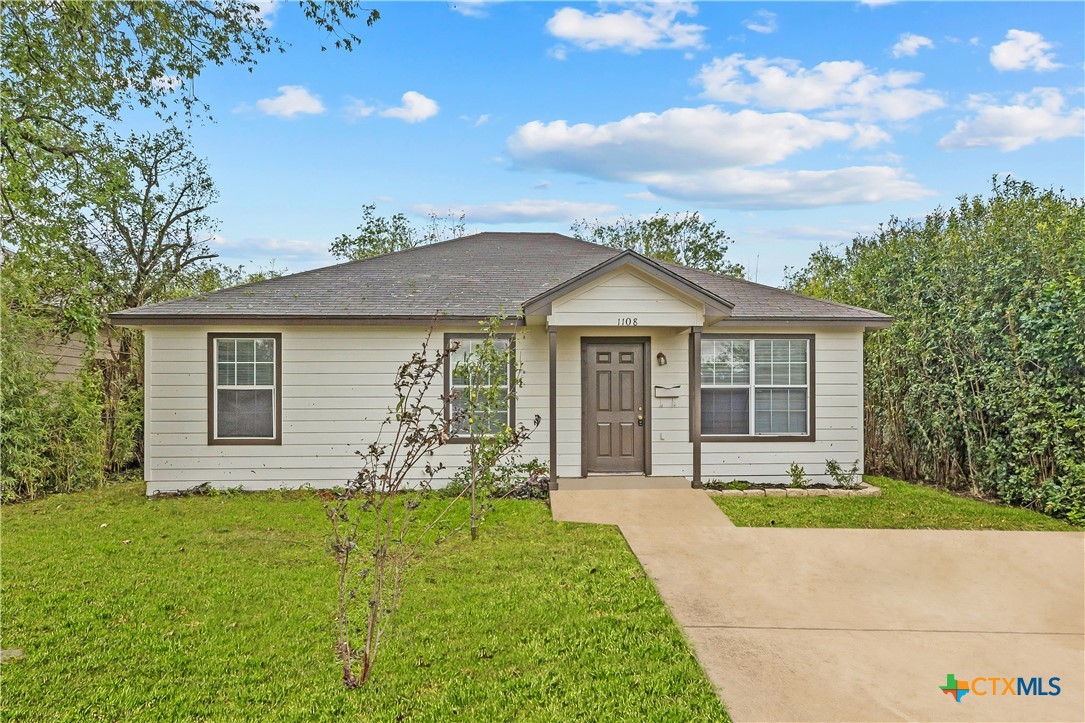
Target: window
[243,394]
[771,373]
[458,379]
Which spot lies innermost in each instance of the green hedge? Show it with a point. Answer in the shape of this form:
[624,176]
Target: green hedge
[51,433]
[980,383]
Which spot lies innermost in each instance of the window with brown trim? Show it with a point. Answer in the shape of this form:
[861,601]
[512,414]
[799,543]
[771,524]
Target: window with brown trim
[244,389]
[458,381]
[757,387]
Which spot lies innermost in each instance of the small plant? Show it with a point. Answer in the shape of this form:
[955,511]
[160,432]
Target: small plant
[848,479]
[735,484]
[377,533]
[798,476]
[492,377]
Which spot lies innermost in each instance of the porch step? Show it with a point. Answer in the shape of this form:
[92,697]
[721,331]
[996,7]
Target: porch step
[623,482]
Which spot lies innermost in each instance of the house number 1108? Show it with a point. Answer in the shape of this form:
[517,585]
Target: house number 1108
[627,321]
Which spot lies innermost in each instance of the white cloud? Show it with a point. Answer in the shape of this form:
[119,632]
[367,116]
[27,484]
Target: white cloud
[688,138]
[525,210]
[876,3]
[765,189]
[1032,117]
[166,82]
[1023,49]
[558,52]
[266,9]
[416,108]
[777,235]
[470,8]
[910,44]
[886,157]
[644,26]
[292,100]
[358,109]
[839,89]
[705,155]
[869,136]
[762,22]
[288,250]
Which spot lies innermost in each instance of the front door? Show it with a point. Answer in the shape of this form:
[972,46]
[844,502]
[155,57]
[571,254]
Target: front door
[613,400]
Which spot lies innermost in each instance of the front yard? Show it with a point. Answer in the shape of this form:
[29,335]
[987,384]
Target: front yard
[900,506]
[220,608]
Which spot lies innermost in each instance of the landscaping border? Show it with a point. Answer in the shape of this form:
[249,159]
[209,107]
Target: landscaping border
[863,490]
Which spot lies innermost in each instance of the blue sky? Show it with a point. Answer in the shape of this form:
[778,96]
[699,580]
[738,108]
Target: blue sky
[790,124]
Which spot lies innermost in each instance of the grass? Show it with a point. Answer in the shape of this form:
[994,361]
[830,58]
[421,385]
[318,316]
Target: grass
[221,608]
[901,506]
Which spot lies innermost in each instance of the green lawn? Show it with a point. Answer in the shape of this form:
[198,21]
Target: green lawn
[900,506]
[221,608]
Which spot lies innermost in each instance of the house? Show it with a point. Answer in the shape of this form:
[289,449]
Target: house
[66,354]
[636,366]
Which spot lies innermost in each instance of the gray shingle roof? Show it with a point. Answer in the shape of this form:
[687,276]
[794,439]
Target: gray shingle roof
[470,277]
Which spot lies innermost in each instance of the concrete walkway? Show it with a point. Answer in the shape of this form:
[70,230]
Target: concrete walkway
[859,625]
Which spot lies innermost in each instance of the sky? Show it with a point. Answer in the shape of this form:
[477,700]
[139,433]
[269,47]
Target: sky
[788,124]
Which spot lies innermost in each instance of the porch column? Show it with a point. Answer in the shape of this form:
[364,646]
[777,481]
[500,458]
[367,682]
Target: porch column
[695,400]
[553,408]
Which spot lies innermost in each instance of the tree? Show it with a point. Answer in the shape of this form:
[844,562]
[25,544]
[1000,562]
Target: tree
[69,62]
[101,223]
[383,521]
[149,226]
[147,234]
[488,377]
[681,238]
[378,235]
[977,385]
[70,68]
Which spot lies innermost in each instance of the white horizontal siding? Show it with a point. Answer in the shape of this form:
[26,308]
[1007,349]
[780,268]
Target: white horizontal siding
[627,295]
[672,452]
[838,426]
[336,391]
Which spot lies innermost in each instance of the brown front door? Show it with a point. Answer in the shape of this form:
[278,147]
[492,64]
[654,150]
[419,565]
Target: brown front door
[614,414]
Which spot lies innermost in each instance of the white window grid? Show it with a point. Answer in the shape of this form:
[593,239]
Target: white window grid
[467,346]
[781,351]
[235,362]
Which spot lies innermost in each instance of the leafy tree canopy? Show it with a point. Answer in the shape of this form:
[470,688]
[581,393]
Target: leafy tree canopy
[978,383]
[681,238]
[71,67]
[378,235]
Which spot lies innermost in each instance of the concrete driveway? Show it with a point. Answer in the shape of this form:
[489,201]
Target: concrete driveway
[861,625]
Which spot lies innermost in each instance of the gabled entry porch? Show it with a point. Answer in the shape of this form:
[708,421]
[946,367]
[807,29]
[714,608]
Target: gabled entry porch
[616,404]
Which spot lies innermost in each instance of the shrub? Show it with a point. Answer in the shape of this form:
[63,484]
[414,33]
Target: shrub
[798,476]
[847,479]
[977,384]
[51,432]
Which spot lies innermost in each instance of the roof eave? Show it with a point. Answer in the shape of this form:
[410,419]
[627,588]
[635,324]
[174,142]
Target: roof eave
[144,320]
[873,323]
